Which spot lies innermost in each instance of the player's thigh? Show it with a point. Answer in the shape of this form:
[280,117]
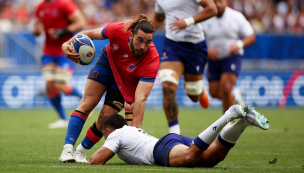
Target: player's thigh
[91,97]
[227,81]
[64,69]
[214,87]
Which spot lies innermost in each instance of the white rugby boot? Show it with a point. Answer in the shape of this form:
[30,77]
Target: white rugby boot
[80,154]
[61,123]
[67,154]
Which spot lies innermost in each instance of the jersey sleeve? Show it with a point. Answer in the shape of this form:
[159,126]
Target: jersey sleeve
[113,141]
[245,27]
[149,71]
[69,7]
[111,29]
[37,11]
[158,8]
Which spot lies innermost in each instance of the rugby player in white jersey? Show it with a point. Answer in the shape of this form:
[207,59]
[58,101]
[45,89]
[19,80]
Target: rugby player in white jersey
[223,33]
[136,147]
[184,52]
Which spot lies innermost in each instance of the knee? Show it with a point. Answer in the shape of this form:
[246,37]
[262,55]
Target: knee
[213,93]
[168,88]
[190,161]
[226,89]
[50,86]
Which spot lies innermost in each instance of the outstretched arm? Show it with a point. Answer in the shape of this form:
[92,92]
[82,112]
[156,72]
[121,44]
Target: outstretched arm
[246,41]
[157,20]
[210,10]
[101,156]
[94,34]
[141,94]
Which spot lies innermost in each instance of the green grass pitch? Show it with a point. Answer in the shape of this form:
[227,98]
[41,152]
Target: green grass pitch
[27,145]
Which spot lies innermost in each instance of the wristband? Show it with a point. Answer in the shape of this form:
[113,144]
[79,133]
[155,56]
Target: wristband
[61,32]
[240,44]
[129,116]
[189,21]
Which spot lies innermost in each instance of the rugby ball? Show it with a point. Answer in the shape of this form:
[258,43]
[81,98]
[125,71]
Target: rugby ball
[83,45]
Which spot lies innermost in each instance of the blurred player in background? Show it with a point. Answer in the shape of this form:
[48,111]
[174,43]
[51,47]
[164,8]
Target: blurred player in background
[136,147]
[225,51]
[126,69]
[59,19]
[184,52]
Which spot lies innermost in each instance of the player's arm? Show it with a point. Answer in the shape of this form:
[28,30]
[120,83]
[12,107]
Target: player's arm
[77,22]
[246,41]
[101,156]
[94,34]
[141,94]
[157,20]
[38,27]
[209,11]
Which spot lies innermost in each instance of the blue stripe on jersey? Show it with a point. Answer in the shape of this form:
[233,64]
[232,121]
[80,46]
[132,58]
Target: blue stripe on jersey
[147,79]
[103,34]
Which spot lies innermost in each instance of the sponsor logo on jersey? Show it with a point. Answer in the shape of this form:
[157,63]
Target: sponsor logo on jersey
[131,67]
[115,47]
[95,74]
[126,55]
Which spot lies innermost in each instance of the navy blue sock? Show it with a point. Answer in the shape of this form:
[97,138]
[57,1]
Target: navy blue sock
[55,99]
[92,137]
[75,126]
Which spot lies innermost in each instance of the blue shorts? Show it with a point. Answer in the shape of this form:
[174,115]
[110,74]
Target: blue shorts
[231,64]
[101,71]
[164,146]
[61,61]
[193,56]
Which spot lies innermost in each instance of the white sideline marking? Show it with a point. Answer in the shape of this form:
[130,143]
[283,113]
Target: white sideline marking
[129,169]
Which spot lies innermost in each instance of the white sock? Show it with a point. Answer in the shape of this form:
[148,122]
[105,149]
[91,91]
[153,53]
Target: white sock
[174,129]
[81,149]
[212,131]
[232,133]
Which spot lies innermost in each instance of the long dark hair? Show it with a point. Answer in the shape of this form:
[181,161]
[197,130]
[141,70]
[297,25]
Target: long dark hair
[140,22]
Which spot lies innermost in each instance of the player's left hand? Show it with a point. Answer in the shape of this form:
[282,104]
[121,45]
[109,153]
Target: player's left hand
[129,107]
[53,34]
[234,49]
[178,25]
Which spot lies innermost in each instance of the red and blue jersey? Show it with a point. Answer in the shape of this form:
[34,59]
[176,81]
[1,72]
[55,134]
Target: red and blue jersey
[128,70]
[55,15]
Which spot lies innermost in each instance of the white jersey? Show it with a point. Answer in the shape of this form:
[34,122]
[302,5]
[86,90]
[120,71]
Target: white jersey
[132,145]
[181,9]
[225,31]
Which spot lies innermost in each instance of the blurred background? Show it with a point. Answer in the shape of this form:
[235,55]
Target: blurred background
[272,69]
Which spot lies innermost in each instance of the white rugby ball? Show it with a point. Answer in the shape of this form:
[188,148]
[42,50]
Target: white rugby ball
[83,45]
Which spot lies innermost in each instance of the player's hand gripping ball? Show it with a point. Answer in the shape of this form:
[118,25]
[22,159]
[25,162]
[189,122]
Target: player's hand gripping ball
[83,45]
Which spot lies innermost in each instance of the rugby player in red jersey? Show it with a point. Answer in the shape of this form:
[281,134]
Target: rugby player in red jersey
[126,69]
[59,19]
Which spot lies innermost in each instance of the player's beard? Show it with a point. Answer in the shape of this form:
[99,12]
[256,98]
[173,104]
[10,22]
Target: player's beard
[134,51]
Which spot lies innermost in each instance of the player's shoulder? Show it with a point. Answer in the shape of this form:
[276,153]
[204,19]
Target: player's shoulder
[234,13]
[64,2]
[153,51]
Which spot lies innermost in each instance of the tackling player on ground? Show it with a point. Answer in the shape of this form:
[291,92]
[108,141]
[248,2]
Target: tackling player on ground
[225,51]
[184,52]
[59,19]
[136,147]
[126,69]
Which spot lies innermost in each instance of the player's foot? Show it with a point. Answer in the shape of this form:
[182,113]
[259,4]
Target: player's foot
[204,101]
[238,96]
[80,157]
[59,124]
[67,154]
[236,111]
[255,118]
